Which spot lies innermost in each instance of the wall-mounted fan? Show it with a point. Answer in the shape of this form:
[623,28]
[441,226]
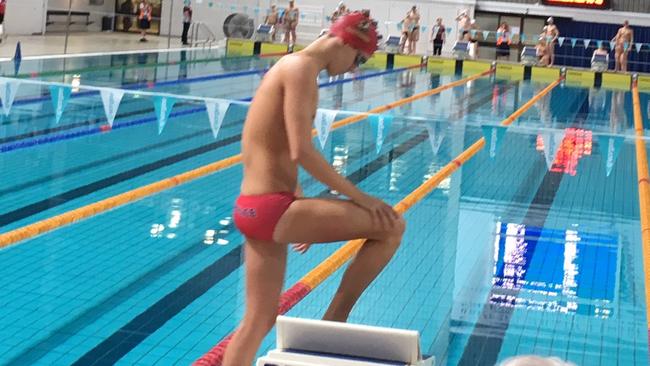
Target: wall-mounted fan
[238,26]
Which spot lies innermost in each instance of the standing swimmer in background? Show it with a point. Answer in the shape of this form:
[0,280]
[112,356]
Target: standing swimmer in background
[550,33]
[276,140]
[414,29]
[464,25]
[290,20]
[272,18]
[623,40]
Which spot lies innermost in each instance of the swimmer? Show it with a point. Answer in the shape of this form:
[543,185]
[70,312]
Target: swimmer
[272,19]
[550,33]
[276,140]
[464,26]
[412,26]
[290,20]
[542,52]
[624,37]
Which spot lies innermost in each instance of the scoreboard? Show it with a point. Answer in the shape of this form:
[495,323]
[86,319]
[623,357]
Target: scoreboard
[585,4]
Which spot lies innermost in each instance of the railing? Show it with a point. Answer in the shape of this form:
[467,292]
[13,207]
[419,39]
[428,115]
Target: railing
[195,31]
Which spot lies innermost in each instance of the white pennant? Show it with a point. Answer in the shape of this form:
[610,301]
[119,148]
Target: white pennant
[552,142]
[323,124]
[560,40]
[111,98]
[217,110]
[436,135]
[638,47]
[586,42]
[8,91]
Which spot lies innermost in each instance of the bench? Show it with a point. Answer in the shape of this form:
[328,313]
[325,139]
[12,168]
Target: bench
[64,13]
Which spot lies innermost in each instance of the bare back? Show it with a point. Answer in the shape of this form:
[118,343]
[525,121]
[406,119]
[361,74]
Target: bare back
[267,163]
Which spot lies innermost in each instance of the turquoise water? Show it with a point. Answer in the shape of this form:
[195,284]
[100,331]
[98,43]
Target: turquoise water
[535,249]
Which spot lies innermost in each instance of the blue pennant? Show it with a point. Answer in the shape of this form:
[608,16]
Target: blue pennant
[60,96]
[163,106]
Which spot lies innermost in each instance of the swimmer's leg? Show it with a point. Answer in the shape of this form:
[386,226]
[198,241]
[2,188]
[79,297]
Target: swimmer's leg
[265,264]
[324,220]
[624,61]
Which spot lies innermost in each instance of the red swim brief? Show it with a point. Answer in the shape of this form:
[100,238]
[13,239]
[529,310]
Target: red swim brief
[256,216]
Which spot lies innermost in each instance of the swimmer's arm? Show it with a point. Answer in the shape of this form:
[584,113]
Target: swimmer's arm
[300,96]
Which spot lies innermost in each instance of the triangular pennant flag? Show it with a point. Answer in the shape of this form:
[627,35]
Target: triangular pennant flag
[610,146]
[323,124]
[381,123]
[217,110]
[163,106]
[399,26]
[586,42]
[552,141]
[493,138]
[473,33]
[573,42]
[8,91]
[111,98]
[560,41]
[448,30]
[612,44]
[638,47]
[600,44]
[436,132]
[424,28]
[60,96]
[499,34]
[486,34]
[256,11]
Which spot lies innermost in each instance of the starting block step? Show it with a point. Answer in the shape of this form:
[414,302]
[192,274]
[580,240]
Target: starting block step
[303,342]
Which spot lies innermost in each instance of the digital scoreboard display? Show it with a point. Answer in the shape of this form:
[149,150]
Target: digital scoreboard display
[585,4]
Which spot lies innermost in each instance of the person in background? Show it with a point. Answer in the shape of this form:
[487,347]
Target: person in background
[542,52]
[600,51]
[414,29]
[340,11]
[503,41]
[623,40]
[127,12]
[290,21]
[550,32]
[473,41]
[144,19]
[464,25]
[3,7]
[438,35]
[187,20]
[272,19]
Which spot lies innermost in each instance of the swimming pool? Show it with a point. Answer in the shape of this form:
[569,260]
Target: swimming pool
[535,249]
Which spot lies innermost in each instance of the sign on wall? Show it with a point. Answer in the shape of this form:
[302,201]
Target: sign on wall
[586,4]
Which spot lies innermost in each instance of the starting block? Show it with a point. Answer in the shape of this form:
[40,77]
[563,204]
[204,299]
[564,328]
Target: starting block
[600,63]
[263,33]
[460,51]
[391,45]
[303,342]
[529,56]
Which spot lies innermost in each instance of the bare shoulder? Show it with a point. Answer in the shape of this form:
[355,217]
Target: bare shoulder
[298,71]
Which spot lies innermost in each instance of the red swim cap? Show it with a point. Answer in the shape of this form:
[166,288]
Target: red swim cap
[357,31]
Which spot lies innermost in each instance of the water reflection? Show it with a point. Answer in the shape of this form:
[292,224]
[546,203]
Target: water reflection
[528,259]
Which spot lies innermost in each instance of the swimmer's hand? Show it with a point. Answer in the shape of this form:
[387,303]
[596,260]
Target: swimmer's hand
[381,212]
[301,248]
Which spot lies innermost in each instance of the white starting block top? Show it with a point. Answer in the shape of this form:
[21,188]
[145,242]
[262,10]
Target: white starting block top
[263,33]
[461,49]
[599,63]
[391,45]
[303,342]
[529,56]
